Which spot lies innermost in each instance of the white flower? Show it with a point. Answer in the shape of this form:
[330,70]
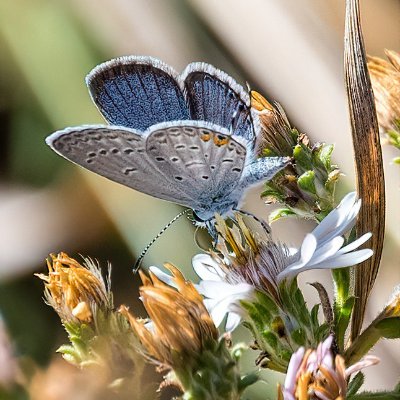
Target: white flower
[227,280]
[322,248]
[221,297]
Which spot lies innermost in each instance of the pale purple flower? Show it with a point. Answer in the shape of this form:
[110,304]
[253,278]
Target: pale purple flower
[318,375]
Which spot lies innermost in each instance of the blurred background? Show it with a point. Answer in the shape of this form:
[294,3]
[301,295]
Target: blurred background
[289,50]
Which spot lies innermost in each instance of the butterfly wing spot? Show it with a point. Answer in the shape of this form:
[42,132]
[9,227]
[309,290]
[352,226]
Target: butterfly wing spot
[129,171]
[189,131]
[194,148]
[205,136]
[205,177]
[174,159]
[160,159]
[103,152]
[132,139]
[114,151]
[221,140]
[159,135]
[128,151]
[227,160]
[236,170]
[91,154]
[179,178]
[180,146]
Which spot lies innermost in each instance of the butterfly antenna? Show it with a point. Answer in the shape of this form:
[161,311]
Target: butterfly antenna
[146,249]
[263,223]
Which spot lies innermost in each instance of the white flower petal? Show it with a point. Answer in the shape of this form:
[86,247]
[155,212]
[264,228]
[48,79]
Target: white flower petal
[306,251]
[308,248]
[206,268]
[344,260]
[357,243]
[327,250]
[232,322]
[338,220]
[213,289]
[363,363]
[220,309]
[162,276]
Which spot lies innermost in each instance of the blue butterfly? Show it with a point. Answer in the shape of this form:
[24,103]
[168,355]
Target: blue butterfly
[189,138]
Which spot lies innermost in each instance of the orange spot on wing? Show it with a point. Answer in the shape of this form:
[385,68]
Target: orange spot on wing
[205,137]
[220,140]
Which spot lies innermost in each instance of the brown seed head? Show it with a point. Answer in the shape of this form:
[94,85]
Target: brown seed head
[275,127]
[72,289]
[180,326]
[385,79]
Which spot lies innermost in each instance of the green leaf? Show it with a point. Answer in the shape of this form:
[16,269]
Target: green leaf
[272,193]
[306,182]
[324,155]
[299,337]
[341,279]
[389,328]
[342,320]
[355,384]
[248,380]
[280,213]
[376,396]
[302,157]
[314,316]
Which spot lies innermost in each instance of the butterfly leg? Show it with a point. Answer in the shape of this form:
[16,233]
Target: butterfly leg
[264,224]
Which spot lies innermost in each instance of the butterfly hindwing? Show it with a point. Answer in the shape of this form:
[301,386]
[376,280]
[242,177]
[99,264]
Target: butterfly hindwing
[189,163]
[137,92]
[203,160]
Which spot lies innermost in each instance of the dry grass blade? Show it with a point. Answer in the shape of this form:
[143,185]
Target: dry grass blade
[368,158]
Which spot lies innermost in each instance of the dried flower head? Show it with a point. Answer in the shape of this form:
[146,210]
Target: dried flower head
[306,187]
[385,79]
[182,337]
[74,290]
[318,374]
[180,327]
[277,135]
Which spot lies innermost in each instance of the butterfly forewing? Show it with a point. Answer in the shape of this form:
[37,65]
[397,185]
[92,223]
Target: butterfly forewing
[202,160]
[137,92]
[117,154]
[214,96]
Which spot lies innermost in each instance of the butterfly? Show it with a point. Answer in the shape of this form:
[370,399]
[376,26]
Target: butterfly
[189,138]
